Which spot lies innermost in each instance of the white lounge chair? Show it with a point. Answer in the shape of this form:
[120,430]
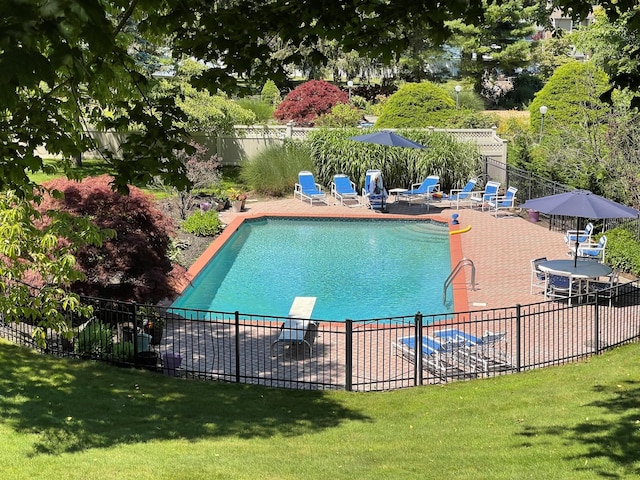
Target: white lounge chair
[481,199]
[374,194]
[503,202]
[594,251]
[308,189]
[462,195]
[297,330]
[344,190]
[421,192]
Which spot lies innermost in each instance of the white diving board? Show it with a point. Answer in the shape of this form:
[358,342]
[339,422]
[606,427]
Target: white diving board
[298,329]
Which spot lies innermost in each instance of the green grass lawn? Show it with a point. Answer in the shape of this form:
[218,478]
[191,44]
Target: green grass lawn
[63,419]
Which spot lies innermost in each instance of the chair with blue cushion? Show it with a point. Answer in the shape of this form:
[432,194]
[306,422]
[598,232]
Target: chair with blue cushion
[461,195]
[374,194]
[504,202]
[481,199]
[538,278]
[344,190]
[607,290]
[308,189]
[560,285]
[421,192]
[582,236]
[592,250]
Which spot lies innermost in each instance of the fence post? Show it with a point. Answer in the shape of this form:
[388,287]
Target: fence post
[518,336]
[134,321]
[348,381]
[596,324]
[237,342]
[418,347]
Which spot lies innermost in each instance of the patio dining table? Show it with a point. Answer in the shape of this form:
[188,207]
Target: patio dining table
[584,269]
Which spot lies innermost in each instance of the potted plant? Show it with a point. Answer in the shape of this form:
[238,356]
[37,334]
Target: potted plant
[152,324]
[238,199]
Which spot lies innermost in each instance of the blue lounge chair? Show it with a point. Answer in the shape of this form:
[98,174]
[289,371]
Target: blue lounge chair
[594,251]
[344,190]
[374,193]
[308,189]
[481,199]
[481,354]
[421,192]
[505,202]
[582,236]
[460,195]
[441,358]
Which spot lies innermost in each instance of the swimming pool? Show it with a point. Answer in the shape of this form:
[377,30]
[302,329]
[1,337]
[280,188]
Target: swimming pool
[356,268]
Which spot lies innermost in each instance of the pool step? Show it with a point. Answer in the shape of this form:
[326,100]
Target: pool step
[302,307]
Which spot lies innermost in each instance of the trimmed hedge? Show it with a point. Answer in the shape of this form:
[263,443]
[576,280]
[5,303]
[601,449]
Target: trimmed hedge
[417,105]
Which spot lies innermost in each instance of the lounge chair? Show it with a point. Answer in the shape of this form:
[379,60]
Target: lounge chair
[538,278]
[482,354]
[461,195]
[481,199]
[504,202]
[344,190]
[421,192]
[374,194]
[297,331]
[582,236]
[441,358]
[308,189]
[594,251]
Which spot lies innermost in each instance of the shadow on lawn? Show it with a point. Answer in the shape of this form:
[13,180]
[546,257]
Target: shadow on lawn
[87,405]
[616,441]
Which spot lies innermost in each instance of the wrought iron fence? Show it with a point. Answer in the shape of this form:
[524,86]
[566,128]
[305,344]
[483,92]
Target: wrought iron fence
[379,354]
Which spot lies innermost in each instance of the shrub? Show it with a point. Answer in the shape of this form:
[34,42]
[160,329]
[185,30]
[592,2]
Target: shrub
[270,93]
[341,115]
[417,105]
[133,265]
[203,224]
[94,340]
[262,110]
[308,101]
[123,351]
[274,171]
[623,250]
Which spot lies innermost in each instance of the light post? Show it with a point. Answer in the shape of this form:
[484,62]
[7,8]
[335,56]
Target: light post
[543,112]
[458,88]
[350,85]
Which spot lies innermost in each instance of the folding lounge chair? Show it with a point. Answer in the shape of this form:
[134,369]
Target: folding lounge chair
[344,190]
[595,251]
[583,236]
[481,199]
[308,189]
[374,193]
[421,192]
[440,358]
[505,202]
[297,330]
[461,195]
[481,354]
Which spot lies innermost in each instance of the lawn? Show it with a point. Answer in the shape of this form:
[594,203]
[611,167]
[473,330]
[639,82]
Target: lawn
[63,419]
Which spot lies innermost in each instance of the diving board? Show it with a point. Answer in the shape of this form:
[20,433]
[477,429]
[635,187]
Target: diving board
[298,330]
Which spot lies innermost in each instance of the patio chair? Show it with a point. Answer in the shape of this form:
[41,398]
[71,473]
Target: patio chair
[583,236]
[461,195]
[538,279]
[297,331]
[504,202]
[595,251]
[605,290]
[560,285]
[480,199]
[344,190]
[440,358]
[481,354]
[420,192]
[374,194]
[308,189]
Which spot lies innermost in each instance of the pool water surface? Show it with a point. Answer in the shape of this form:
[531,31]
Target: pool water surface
[356,268]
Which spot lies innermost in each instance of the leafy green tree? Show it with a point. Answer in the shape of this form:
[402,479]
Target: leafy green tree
[575,124]
[417,105]
[270,93]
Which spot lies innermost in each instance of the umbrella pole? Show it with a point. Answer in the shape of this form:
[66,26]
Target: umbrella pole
[575,253]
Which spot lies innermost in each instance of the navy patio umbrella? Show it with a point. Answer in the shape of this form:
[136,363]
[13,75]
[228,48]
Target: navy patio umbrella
[580,204]
[384,137]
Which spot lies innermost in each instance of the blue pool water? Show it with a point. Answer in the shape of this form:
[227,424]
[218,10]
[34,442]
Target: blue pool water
[356,269]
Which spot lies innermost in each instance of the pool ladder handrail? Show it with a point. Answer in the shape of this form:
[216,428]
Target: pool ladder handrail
[456,270]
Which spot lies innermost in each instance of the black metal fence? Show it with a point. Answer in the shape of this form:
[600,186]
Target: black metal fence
[380,354]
